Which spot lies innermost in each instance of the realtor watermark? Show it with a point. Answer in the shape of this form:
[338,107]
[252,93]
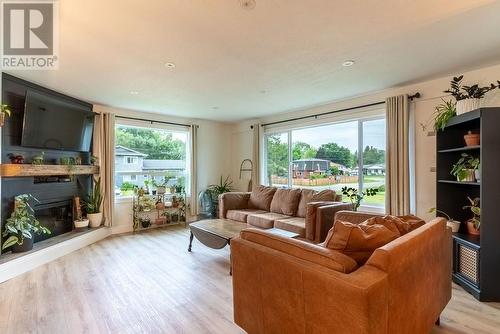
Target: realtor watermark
[30,35]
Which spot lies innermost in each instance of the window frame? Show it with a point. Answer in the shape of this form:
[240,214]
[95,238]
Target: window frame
[361,119]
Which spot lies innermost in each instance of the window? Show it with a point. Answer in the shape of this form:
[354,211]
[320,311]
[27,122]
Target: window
[147,157]
[329,156]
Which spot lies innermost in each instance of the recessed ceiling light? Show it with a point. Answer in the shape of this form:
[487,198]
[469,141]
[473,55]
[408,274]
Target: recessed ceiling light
[134,92]
[348,63]
[170,65]
[247,4]
[263,91]
[215,108]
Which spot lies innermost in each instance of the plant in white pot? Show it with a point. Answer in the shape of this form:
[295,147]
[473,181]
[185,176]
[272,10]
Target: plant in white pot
[451,223]
[21,226]
[464,169]
[93,205]
[468,97]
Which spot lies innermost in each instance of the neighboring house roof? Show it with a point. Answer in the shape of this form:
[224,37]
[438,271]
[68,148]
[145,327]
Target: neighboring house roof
[163,165]
[311,165]
[374,167]
[125,151]
[339,166]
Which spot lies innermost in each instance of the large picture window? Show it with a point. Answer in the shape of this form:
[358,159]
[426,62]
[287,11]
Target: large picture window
[330,156]
[147,157]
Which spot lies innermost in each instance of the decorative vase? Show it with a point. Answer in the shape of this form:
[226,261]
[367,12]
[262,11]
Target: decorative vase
[27,245]
[472,139]
[477,175]
[454,225]
[81,223]
[469,177]
[472,229]
[95,219]
[466,105]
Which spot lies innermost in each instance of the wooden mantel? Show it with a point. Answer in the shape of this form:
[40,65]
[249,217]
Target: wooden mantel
[16,170]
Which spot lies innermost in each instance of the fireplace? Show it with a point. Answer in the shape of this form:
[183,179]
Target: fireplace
[56,216]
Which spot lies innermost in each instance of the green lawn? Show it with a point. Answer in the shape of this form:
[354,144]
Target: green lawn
[378,199]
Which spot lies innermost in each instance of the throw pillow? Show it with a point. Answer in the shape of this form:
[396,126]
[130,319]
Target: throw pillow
[403,224]
[285,201]
[261,198]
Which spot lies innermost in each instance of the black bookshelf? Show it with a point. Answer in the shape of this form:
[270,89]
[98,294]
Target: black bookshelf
[476,259]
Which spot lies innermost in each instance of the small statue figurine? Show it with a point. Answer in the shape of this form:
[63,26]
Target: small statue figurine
[38,159]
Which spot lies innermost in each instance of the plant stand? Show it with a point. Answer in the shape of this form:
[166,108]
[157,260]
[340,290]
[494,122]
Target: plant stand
[159,210]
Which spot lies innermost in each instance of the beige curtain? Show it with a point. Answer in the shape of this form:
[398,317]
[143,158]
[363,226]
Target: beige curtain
[194,169]
[397,161]
[104,150]
[256,155]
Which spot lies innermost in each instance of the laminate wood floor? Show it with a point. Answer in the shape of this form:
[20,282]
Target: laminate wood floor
[149,283]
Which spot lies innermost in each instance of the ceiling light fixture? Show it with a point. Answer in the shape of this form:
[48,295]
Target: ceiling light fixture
[170,65]
[134,92]
[248,4]
[348,63]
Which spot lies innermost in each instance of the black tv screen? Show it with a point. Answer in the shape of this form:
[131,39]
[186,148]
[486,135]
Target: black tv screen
[53,123]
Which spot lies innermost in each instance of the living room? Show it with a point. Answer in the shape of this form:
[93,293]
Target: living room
[249,166]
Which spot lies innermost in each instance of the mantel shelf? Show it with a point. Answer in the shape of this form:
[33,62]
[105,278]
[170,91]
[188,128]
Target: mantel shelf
[17,170]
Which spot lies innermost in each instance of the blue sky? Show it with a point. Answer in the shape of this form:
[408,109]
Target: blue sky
[344,134]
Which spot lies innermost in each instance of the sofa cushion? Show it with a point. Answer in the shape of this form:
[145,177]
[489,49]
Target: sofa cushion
[264,220]
[241,215]
[403,224]
[359,241]
[261,198]
[309,195]
[285,201]
[294,224]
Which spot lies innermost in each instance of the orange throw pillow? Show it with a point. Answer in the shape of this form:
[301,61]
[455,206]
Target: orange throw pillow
[403,224]
[359,241]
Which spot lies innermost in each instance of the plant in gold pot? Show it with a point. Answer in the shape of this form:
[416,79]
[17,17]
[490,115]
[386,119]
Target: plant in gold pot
[474,223]
[465,167]
[93,205]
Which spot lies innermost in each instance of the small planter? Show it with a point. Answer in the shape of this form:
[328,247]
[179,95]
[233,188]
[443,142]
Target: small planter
[466,105]
[472,139]
[95,219]
[472,229]
[454,225]
[469,177]
[81,223]
[145,223]
[161,190]
[26,246]
[477,175]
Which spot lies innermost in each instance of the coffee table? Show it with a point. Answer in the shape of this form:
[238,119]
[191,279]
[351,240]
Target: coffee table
[217,233]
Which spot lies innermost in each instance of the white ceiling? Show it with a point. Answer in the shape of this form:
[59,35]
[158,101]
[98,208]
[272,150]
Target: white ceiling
[233,63]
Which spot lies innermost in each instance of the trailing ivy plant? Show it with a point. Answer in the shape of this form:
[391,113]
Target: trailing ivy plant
[462,92]
[442,115]
[22,223]
[355,197]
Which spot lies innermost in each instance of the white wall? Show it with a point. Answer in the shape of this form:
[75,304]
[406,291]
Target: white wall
[425,146]
[213,156]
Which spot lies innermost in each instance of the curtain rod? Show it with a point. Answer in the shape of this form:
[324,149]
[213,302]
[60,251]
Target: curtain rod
[410,97]
[152,121]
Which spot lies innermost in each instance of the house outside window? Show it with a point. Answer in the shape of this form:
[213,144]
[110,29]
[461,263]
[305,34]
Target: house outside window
[332,155]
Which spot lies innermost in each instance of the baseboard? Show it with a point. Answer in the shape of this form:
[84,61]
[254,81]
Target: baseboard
[121,229]
[30,261]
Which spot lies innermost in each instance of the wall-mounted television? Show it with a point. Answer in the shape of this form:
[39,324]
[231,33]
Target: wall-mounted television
[54,123]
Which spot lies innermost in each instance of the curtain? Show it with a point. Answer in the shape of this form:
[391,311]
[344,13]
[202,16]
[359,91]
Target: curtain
[256,156]
[398,166]
[194,169]
[104,150]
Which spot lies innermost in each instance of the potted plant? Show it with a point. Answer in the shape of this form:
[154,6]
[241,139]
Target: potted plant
[21,225]
[474,223]
[4,111]
[472,139]
[355,197]
[38,159]
[79,221]
[468,97]
[442,114]
[214,190]
[451,223]
[464,169]
[93,204]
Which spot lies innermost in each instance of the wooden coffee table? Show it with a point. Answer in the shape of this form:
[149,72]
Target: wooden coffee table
[217,233]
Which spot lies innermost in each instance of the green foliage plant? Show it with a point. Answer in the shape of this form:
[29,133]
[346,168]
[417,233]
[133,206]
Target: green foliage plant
[476,211]
[441,116]
[356,197]
[22,223]
[93,202]
[461,168]
[462,92]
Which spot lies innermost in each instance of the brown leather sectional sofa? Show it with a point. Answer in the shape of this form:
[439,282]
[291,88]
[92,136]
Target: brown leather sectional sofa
[303,211]
[284,285]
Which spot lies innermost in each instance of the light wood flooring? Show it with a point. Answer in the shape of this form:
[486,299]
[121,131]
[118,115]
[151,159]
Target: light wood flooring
[149,283]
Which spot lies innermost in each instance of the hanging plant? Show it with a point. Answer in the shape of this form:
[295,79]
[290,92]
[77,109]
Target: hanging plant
[441,116]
